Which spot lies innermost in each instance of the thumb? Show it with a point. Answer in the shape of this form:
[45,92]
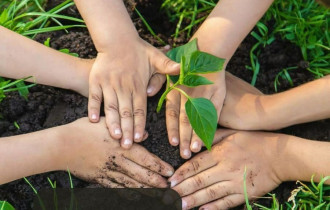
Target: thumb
[220,134]
[156,82]
[163,64]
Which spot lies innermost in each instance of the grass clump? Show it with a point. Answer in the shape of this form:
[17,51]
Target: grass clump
[28,17]
[306,196]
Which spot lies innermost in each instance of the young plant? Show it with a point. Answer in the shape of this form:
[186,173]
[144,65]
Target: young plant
[201,112]
[18,85]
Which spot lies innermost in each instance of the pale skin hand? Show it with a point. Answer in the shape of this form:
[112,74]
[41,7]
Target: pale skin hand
[214,180]
[85,149]
[221,41]
[246,108]
[122,70]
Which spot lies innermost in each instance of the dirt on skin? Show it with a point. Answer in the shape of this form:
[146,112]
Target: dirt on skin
[48,107]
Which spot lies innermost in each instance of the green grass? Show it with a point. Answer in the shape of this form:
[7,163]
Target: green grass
[28,18]
[301,22]
[305,197]
[18,16]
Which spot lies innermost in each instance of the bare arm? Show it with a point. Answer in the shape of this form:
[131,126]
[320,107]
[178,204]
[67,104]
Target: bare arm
[220,35]
[248,109]
[21,57]
[122,70]
[83,148]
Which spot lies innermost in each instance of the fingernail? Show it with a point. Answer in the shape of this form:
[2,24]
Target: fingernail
[175,140]
[195,145]
[186,153]
[149,90]
[184,204]
[167,47]
[169,173]
[94,116]
[137,136]
[173,183]
[175,65]
[117,131]
[127,142]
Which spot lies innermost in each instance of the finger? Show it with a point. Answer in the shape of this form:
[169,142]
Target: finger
[111,113]
[124,180]
[208,194]
[201,180]
[145,135]
[126,118]
[220,134]
[163,64]
[172,116]
[142,157]
[94,102]
[192,167]
[227,202]
[107,183]
[155,84]
[196,143]
[139,173]
[217,99]
[185,131]
[139,113]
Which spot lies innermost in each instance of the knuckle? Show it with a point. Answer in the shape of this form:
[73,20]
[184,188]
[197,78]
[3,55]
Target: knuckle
[228,203]
[184,119]
[195,166]
[126,113]
[198,181]
[96,98]
[111,107]
[166,62]
[172,113]
[212,194]
[139,112]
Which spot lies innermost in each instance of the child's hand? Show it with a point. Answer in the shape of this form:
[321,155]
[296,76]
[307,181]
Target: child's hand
[120,78]
[215,179]
[178,125]
[91,154]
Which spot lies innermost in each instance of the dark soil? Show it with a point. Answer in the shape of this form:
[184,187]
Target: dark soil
[48,107]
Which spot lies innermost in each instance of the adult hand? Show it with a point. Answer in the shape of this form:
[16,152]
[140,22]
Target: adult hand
[178,125]
[120,78]
[214,179]
[91,154]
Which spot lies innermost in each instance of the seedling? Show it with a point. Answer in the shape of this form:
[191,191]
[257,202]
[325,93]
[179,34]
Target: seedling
[201,112]
[18,85]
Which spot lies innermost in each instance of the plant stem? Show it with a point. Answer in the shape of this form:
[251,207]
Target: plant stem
[181,91]
[162,98]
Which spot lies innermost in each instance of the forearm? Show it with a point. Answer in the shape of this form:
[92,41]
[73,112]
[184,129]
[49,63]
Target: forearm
[29,154]
[306,103]
[21,57]
[228,24]
[108,23]
[300,159]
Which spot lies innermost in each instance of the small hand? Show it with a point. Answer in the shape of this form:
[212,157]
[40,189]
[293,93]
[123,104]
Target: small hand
[245,107]
[120,78]
[178,125]
[214,179]
[95,157]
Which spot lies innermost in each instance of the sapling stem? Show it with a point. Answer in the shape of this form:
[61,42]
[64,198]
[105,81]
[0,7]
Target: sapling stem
[181,91]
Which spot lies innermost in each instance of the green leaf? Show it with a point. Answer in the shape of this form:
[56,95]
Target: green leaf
[195,80]
[4,205]
[186,50]
[202,63]
[47,42]
[203,118]
[22,89]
